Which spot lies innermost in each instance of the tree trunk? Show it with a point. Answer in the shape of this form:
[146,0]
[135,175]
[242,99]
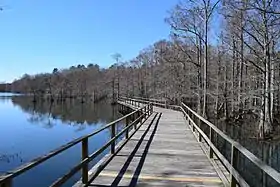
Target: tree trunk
[265,126]
[233,73]
[241,65]
[205,75]
[226,92]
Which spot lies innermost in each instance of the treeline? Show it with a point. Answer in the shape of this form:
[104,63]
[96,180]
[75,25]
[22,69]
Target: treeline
[222,57]
[5,87]
[83,82]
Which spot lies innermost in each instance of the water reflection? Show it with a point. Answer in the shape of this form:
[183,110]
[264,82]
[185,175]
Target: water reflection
[30,130]
[71,112]
[268,151]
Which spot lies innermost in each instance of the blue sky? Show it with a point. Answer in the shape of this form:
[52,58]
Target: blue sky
[39,35]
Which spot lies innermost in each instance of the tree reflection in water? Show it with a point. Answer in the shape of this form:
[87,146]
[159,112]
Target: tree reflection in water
[70,112]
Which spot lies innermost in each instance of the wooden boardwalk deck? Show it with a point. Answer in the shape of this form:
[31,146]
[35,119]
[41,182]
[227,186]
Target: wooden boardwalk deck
[163,152]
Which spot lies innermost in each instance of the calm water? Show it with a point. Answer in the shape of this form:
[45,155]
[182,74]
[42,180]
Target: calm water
[244,133]
[30,130]
[268,151]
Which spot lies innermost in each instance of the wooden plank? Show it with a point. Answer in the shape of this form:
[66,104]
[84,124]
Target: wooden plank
[160,154]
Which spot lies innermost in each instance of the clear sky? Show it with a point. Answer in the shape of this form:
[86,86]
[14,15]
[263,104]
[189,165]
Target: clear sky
[39,35]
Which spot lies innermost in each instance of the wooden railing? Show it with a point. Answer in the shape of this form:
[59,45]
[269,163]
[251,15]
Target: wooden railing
[138,100]
[138,115]
[237,150]
[158,101]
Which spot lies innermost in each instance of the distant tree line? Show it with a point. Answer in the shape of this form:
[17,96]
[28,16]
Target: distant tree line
[5,87]
[229,77]
[83,82]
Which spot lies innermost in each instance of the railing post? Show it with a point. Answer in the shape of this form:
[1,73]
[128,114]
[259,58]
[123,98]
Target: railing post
[113,134]
[233,182]
[199,137]
[187,118]
[145,111]
[84,156]
[141,116]
[193,127]
[211,152]
[135,122]
[126,125]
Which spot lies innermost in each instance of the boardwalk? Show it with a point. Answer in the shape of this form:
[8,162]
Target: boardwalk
[163,152]
[159,148]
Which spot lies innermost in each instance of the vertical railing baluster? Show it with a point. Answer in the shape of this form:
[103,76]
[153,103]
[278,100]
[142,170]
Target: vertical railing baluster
[85,156]
[113,134]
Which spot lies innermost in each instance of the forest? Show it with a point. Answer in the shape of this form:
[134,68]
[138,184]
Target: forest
[222,58]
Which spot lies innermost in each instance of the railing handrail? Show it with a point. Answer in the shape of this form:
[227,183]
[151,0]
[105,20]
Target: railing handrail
[145,101]
[63,179]
[151,99]
[275,175]
[258,162]
[25,167]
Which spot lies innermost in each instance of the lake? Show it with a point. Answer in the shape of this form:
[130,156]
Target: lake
[29,130]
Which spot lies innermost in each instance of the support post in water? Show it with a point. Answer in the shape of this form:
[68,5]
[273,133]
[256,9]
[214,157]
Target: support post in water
[84,156]
[113,134]
[233,182]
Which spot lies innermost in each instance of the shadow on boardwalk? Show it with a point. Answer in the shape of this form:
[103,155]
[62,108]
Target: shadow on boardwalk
[138,169]
[163,152]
